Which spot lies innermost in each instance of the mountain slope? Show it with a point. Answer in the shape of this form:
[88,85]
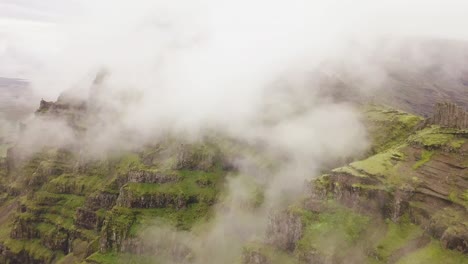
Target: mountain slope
[404,203]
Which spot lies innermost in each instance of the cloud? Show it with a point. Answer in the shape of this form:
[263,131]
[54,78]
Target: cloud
[241,68]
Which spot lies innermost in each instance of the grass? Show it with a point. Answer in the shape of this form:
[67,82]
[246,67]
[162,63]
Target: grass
[3,150]
[457,143]
[33,247]
[58,209]
[325,232]
[397,236]
[75,184]
[120,258]
[182,219]
[436,137]
[388,127]
[351,171]
[186,188]
[379,164]
[273,255]
[434,253]
[426,156]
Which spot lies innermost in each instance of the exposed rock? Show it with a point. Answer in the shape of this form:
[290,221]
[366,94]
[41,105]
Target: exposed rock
[144,176]
[44,106]
[72,110]
[411,246]
[7,256]
[450,226]
[86,218]
[11,160]
[284,230]
[193,157]
[254,257]
[153,200]
[364,194]
[432,202]
[57,107]
[115,232]
[23,229]
[456,239]
[103,200]
[449,115]
[312,256]
[57,240]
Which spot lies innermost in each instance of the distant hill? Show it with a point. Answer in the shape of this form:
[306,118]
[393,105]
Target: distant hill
[412,75]
[15,99]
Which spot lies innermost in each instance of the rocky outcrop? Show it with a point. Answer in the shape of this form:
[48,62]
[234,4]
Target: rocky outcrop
[11,160]
[23,229]
[364,194]
[72,111]
[194,157]
[56,240]
[144,176]
[104,200]
[87,219]
[8,256]
[130,199]
[449,115]
[450,227]
[254,257]
[427,204]
[57,107]
[284,230]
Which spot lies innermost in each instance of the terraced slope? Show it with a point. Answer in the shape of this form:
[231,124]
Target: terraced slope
[56,208]
[406,202]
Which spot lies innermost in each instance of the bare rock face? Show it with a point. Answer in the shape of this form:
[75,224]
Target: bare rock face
[449,115]
[449,226]
[86,218]
[142,176]
[58,107]
[101,200]
[23,229]
[192,157]
[154,200]
[284,230]
[254,257]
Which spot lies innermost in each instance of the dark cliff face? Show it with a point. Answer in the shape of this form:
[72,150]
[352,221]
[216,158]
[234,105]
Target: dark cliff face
[63,205]
[408,195]
[449,115]
[406,201]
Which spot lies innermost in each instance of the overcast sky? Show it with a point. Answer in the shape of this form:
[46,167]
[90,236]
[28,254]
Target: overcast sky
[32,30]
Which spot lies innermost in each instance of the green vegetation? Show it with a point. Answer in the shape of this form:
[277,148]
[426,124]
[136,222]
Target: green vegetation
[3,150]
[338,227]
[426,155]
[120,258]
[190,187]
[75,184]
[397,236]
[388,127]
[457,143]
[431,137]
[436,137]
[434,253]
[351,171]
[34,248]
[380,164]
[52,185]
[273,255]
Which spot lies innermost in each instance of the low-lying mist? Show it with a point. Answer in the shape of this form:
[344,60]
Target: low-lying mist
[244,69]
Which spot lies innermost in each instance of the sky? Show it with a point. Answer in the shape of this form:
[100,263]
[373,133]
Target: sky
[237,66]
[32,31]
